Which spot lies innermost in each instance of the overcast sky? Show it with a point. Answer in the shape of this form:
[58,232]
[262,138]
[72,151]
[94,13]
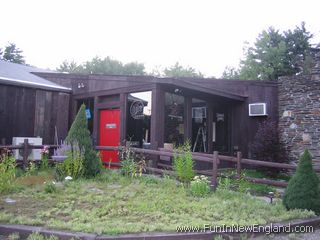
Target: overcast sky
[206,35]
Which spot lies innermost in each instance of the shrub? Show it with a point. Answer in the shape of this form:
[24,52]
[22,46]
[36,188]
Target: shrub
[73,165]
[303,188]
[199,186]
[79,135]
[266,145]
[183,163]
[7,171]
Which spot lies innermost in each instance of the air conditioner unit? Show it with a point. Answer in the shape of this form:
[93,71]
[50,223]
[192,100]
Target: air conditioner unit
[257,109]
[199,112]
[35,153]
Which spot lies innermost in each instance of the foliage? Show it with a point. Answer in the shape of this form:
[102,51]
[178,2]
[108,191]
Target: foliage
[179,71]
[266,145]
[183,163]
[131,164]
[31,169]
[79,136]
[45,158]
[12,54]
[74,164]
[275,54]
[103,66]
[228,182]
[50,187]
[7,171]
[199,186]
[62,150]
[127,205]
[303,190]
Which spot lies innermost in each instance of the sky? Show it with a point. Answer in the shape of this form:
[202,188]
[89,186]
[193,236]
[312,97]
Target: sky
[203,34]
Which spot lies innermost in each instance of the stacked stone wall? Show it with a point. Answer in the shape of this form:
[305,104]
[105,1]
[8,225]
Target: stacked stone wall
[299,114]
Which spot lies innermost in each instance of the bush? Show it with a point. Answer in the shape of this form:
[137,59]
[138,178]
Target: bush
[79,135]
[73,165]
[266,145]
[132,164]
[7,171]
[183,163]
[303,188]
[200,186]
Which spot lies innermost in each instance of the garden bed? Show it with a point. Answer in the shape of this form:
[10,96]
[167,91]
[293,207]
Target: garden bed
[113,204]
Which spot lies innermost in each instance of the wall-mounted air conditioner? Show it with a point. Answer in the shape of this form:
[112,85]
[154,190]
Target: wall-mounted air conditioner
[257,109]
[35,153]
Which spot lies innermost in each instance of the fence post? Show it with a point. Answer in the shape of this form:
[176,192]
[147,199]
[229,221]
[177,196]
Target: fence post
[214,178]
[25,153]
[239,158]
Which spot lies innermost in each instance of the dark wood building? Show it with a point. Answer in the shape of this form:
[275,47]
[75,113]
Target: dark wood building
[31,106]
[146,111]
[213,114]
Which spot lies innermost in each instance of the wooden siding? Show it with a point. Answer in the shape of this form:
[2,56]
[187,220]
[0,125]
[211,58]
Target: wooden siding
[28,112]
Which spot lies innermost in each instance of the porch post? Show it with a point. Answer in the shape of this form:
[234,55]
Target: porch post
[188,119]
[157,118]
[123,117]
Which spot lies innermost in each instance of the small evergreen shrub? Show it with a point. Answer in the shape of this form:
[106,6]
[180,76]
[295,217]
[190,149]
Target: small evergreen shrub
[303,188]
[7,171]
[79,136]
[199,186]
[183,163]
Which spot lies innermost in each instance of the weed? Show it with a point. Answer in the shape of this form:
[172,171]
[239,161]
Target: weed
[7,171]
[50,187]
[183,163]
[200,186]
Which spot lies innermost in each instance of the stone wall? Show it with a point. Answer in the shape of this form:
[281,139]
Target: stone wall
[299,114]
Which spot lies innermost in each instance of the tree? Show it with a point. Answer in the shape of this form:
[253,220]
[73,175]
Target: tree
[12,54]
[103,66]
[275,54]
[179,71]
[79,136]
[303,190]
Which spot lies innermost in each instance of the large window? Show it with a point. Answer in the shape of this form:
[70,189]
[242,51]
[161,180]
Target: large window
[199,126]
[139,119]
[174,119]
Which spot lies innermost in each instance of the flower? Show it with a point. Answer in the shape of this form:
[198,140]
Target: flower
[68,178]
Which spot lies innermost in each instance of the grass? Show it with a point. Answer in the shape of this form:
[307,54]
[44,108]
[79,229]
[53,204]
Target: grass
[113,204]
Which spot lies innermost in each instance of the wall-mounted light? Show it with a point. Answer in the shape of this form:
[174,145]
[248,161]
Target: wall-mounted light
[80,85]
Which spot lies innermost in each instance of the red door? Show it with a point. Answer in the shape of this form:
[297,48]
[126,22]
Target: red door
[109,133]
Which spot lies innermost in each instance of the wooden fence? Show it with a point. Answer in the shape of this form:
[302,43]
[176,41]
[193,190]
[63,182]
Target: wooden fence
[215,160]
[26,149]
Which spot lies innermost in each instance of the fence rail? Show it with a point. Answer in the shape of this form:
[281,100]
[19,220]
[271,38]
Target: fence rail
[26,148]
[215,160]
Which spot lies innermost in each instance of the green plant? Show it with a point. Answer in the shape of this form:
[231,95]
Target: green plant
[14,236]
[50,187]
[79,136]
[31,169]
[129,166]
[199,186]
[7,171]
[74,164]
[183,163]
[303,188]
[44,158]
[38,236]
